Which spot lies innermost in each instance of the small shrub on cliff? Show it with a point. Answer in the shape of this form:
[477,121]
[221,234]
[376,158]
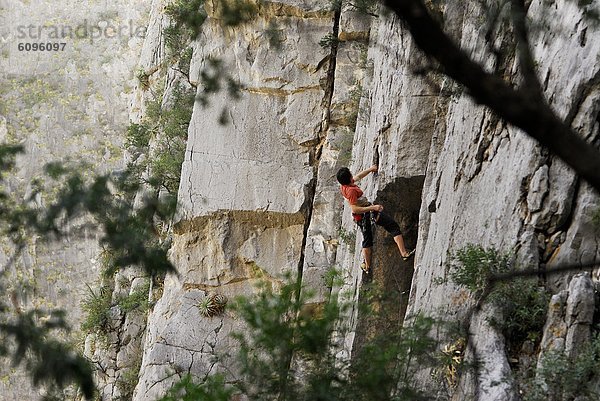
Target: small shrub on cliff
[187,18]
[212,305]
[472,266]
[96,307]
[138,137]
[367,7]
[213,388]
[524,305]
[328,41]
[522,302]
[561,378]
[137,300]
[168,126]
[165,166]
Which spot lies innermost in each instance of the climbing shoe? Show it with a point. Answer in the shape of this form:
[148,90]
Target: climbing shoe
[364,267]
[411,253]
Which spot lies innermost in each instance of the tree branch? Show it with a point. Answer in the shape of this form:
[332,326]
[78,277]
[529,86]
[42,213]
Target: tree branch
[496,278]
[520,107]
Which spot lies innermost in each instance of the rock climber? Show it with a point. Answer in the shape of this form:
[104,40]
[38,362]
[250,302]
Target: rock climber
[364,212]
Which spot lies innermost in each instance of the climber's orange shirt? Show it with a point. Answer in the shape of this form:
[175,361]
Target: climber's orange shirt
[351,192]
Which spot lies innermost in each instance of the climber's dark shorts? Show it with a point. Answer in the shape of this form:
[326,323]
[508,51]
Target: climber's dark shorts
[381,219]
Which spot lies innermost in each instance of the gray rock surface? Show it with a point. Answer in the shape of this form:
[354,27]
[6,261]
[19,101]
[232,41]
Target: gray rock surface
[261,159]
[570,316]
[246,188]
[494,373]
[579,313]
[258,197]
[472,178]
[487,178]
[67,104]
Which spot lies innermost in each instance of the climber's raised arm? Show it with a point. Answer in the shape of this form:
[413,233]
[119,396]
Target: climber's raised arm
[364,173]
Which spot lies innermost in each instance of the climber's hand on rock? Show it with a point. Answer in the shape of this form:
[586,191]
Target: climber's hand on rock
[377,208]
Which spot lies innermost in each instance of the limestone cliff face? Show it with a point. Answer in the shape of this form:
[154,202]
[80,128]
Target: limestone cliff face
[484,181]
[249,188]
[488,183]
[71,103]
[259,198]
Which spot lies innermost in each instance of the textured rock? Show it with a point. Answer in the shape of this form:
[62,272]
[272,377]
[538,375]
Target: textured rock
[538,187]
[246,188]
[582,239]
[252,191]
[68,104]
[555,329]
[570,316]
[494,379]
[394,122]
[474,155]
[324,233]
[265,149]
[579,313]
[258,197]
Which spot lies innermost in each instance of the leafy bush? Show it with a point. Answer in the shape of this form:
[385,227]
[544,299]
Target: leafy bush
[366,7]
[27,336]
[472,266]
[137,300]
[522,303]
[165,167]
[213,388]
[187,18]
[138,137]
[524,307]
[168,125]
[49,362]
[385,368]
[562,378]
[237,12]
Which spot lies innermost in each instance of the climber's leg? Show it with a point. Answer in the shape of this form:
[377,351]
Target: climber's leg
[367,241]
[390,225]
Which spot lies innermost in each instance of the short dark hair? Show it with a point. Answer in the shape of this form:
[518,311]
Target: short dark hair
[344,176]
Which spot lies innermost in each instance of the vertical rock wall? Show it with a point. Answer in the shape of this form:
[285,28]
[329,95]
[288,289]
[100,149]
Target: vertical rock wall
[259,200]
[398,115]
[117,354]
[488,183]
[253,188]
